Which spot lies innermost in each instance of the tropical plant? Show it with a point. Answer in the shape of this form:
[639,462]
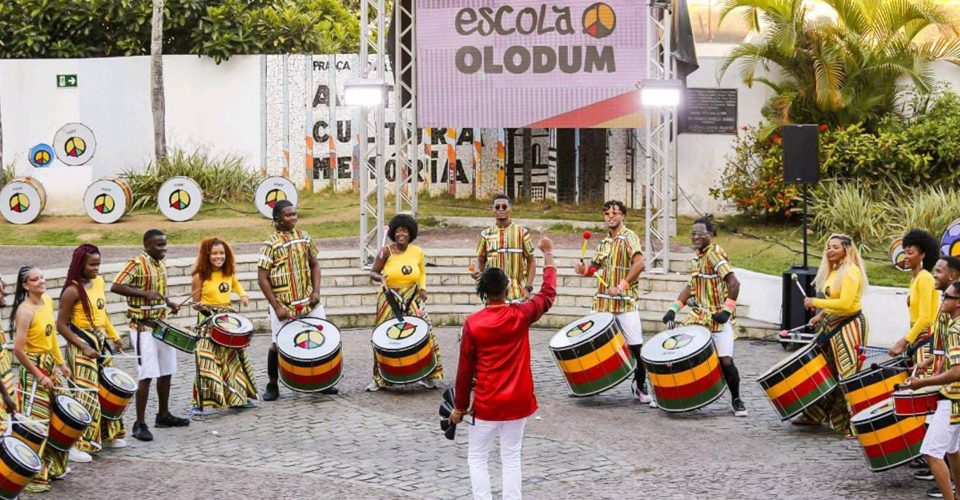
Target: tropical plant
[841,71]
[849,207]
[222,179]
[928,208]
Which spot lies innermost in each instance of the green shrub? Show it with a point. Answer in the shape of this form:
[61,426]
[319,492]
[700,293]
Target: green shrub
[753,178]
[221,179]
[6,173]
[931,209]
[847,207]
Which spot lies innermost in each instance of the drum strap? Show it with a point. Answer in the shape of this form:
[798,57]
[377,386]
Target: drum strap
[394,303]
[85,336]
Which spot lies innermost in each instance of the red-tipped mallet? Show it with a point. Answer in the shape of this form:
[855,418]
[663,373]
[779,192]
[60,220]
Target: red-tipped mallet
[583,248]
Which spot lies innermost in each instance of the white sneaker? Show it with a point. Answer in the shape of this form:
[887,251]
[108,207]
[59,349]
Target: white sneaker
[117,443]
[373,387]
[80,457]
[653,403]
[429,384]
[65,472]
[639,395]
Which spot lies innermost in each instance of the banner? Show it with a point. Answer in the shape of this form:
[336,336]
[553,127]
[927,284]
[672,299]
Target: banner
[536,64]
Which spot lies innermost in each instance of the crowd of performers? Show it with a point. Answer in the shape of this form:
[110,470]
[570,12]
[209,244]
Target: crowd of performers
[494,384]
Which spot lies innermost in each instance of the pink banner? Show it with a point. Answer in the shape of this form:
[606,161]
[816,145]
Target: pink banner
[492,64]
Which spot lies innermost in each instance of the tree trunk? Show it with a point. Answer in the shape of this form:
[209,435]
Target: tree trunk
[3,172]
[527,164]
[156,84]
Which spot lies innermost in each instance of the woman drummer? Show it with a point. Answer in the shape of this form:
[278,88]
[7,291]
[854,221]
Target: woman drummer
[84,322]
[920,254]
[224,374]
[8,383]
[41,364]
[841,280]
[401,269]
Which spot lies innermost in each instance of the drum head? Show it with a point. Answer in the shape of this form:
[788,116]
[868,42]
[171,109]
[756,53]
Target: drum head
[72,408]
[119,379]
[41,155]
[308,339]
[950,240]
[74,144]
[783,362]
[21,453]
[581,330]
[105,201]
[30,426]
[20,201]
[896,254]
[676,344]
[180,198]
[271,190]
[233,323]
[394,335]
[878,410]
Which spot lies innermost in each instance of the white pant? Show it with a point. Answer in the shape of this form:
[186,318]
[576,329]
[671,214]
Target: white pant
[632,327]
[157,359]
[941,437]
[275,324]
[723,340]
[480,438]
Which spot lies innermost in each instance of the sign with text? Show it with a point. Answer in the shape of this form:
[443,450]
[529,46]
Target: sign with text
[543,64]
[709,111]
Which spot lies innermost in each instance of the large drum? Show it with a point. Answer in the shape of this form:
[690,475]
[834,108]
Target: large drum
[914,403]
[888,440]
[18,464]
[271,190]
[869,387]
[68,420]
[592,354]
[180,198]
[231,330]
[28,431]
[403,350]
[798,381]
[177,338]
[22,200]
[116,390]
[107,200]
[683,368]
[310,356]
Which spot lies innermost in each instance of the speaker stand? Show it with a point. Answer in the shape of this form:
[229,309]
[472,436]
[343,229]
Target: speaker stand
[804,225]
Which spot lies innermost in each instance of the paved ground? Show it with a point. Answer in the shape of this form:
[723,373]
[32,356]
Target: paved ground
[388,445]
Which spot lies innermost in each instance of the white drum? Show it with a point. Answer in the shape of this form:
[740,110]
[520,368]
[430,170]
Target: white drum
[74,144]
[107,200]
[271,190]
[310,354]
[180,198]
[22,200]
[403,350]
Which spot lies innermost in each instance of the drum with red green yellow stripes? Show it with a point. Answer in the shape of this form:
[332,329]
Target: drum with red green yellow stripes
[403,349]
[888,440]
[592,354]
[798,381]
[869,387]
[310,354]
[18,464]
[683,368]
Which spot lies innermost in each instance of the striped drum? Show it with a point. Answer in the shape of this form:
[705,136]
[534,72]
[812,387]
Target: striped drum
[116,390]
[68,420]
[18,464]
[683,368]
[403,350]
[888,440]
[872,386]
[29,431]
[310,357]
[592,354]
[798,381]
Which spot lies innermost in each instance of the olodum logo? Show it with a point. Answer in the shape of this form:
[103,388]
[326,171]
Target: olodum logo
[599,20]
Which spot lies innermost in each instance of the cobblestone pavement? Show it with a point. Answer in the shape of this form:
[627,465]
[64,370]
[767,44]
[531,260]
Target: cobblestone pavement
[388,445]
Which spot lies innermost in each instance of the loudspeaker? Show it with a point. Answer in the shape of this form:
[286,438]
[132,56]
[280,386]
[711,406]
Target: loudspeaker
[801,164]
[792,313]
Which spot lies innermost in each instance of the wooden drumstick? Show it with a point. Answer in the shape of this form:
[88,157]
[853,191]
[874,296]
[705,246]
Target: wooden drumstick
[188,299]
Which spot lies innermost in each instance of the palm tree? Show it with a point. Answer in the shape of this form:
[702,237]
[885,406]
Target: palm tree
[841,71]
[156,84]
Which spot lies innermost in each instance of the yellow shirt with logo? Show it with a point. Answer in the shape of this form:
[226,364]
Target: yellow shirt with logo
[97,299]
[406,269]
[42,333]
[216,290]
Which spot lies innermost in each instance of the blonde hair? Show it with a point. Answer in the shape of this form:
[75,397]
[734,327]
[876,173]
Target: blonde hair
[851,258]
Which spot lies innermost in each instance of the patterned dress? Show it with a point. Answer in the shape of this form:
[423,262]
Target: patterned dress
[507,248]
[8,376]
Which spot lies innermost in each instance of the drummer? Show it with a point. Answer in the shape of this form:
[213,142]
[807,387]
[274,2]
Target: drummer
[225,376]
[143,281]
[712,280]
[289,277]
[42,368]
[401,269]
[841,280]
[920,253]
[8,383]
[507,245]
[84,322]
[943,433]
[619,260]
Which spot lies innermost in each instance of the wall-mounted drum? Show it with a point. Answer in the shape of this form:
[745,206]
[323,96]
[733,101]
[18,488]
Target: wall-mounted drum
[107,200]
[896,253]
[22,200]
[271,190]
[74,144]
[180,198]
[950,240]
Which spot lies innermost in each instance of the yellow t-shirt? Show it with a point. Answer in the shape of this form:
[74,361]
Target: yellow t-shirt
[924,302]
[98,308]
[216,290]
[406,269]
[843,300]
[42,334]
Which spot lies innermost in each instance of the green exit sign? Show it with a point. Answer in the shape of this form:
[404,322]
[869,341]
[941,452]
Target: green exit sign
[66,81]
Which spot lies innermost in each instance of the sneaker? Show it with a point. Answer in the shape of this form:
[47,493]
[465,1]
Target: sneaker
[196,414]
[79,456]
[169,420]
[117,443]
[923,475]
[934,492]
[429,384]
[739,410]
[640,393]
[272,393]
[250,404]
[330,390]
[65,472]
[141,432]
[653,403]
[373,387]
[918,463]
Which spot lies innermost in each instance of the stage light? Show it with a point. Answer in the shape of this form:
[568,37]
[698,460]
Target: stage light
[661,93]
[364,92]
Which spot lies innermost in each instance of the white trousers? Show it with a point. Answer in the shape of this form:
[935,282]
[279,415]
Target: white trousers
[511,441]
[632,327]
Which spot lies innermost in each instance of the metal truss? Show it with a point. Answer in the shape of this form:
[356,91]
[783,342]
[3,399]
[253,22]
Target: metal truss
[373,62]
[406,178]
[659,129]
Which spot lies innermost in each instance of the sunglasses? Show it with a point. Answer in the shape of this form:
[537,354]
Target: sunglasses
[947,296]
[613,213]
[501,207]
[698,234]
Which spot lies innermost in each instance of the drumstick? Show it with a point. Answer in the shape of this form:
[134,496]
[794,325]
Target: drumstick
[188,299]
[583,248]
[796,279]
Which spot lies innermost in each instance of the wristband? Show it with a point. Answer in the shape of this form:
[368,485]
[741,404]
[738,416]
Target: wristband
[676,306]
[624,285]
[730,305]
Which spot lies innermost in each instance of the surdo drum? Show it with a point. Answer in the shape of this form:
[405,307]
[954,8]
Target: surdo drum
[22,200]
[592,354]
[888,440]
[18,464]
[231,330]
[271,190]
[67,422]
[683,368]
[107,200]
[116,390]
[310,354]
[403,350]
[869,387]
[180,198]
[916,402]
[798,381]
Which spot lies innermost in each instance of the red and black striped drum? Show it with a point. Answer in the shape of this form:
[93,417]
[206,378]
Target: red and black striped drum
[592,354]
[18,464]
[28,431]
[798,381]
[916,402]
[403,350]
[869,387]
[887,439]
[231,330]
[68,420]
[310,354]
[115,392]
[683,368]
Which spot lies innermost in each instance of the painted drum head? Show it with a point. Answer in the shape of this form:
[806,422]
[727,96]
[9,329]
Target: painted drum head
[393,334]
[119,379]
[896,254]
[271,190]
[880,409]
[22,200]
[676,344]
[790,358]
[21,453]
[233,323]
[106,200]
[950,240]
[581,330]
[180,198]
[41,155]
[74,409]
[308,339]
[74,144]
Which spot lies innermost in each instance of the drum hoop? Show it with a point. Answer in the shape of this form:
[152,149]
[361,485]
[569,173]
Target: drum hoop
[785,362]
[707,344]
[409,345]
[585,339]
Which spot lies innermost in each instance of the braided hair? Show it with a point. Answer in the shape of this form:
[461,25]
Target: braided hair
[493,282]
[19,294]
[278,209]
[75,276]
[707,221]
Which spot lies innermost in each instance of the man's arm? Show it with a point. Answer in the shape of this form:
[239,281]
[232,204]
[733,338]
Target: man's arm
[466,370]
[263,280]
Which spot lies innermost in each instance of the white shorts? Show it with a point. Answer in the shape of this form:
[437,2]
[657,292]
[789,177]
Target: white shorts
[632,327]
[276,324]
[156,358]
[942,437]
[723,340]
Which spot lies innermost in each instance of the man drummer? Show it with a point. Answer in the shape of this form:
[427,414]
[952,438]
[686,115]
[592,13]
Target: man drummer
[288,273]
[617,266]
[715,288]
[943,434]
[143,281]
[507,245]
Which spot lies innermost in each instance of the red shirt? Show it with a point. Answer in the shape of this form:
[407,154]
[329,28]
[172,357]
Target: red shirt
[495,348]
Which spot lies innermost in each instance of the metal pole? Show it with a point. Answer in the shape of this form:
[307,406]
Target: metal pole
[308,123]
[576,166]
[286,119]
[263,115]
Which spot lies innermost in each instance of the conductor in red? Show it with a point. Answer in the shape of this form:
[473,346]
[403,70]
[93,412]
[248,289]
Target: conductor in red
[495,351]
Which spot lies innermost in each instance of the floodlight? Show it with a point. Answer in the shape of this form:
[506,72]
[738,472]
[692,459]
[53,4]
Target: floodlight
[364,92]
[661,93]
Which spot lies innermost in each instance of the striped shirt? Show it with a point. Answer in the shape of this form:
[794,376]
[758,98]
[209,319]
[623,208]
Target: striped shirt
[287,257]
[707,284]
[952,391]
[147,274]
[507,248]
[613,259]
